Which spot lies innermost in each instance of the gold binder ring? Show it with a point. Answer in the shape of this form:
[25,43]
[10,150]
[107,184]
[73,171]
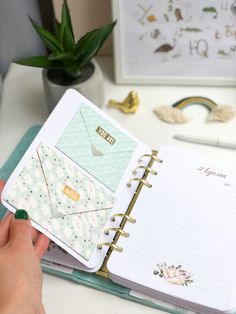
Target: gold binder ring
[151,156]
[146,168]
[120,231]
[111,245]
[140,180]
[129,219]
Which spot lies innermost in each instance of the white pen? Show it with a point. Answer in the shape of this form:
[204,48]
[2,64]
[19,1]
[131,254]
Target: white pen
[213,141]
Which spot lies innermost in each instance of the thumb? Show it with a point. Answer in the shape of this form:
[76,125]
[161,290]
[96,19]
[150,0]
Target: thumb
[20,229]
[1,186]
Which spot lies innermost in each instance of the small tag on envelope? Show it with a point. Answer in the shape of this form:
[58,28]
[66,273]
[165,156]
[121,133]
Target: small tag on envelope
[110,139]
[72,194]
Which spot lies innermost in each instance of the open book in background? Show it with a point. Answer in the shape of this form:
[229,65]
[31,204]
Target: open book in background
[181,248]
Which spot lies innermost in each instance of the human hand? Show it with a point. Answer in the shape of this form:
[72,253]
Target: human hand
[20,272]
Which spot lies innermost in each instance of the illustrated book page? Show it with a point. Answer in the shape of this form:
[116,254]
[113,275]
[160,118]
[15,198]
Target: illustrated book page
[182,248]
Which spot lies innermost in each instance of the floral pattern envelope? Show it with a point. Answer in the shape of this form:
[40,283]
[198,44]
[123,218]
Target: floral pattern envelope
[62,199]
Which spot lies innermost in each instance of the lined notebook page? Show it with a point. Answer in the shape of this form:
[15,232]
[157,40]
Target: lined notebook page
[187,218]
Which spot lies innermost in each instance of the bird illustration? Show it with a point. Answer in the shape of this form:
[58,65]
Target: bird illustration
[165,48]
[178,15]
[222,53]
[211,10]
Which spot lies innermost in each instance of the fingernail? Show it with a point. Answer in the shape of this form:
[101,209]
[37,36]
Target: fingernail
[21,214]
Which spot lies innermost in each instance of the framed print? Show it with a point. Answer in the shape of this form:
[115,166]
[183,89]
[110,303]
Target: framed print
[180,42]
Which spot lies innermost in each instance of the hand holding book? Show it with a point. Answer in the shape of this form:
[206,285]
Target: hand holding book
[20,272]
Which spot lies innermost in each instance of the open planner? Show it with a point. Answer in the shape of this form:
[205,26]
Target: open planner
[162,223]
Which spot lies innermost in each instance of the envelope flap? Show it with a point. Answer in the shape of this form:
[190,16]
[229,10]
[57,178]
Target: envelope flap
[93,135]
[70,190]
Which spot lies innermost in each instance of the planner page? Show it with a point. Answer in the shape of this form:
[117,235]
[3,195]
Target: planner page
[73,178]
[182,248]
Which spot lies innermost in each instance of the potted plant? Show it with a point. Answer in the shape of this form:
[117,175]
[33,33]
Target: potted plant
[70,64]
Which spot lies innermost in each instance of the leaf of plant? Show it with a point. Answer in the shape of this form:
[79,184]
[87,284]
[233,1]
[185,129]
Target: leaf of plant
[36,61]
[89,45]
[56,27]
[81,42]
[66,25]
[72,71]
[105,31]
[65,56]
[48,38]
[68,41]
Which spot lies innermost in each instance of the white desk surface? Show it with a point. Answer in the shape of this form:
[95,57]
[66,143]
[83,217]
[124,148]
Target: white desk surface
[23,106]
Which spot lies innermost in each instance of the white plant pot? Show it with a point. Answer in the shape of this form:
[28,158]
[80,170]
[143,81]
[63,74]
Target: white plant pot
[92,88]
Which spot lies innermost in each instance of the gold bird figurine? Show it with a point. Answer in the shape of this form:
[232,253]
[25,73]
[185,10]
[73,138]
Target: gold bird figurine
[129,105]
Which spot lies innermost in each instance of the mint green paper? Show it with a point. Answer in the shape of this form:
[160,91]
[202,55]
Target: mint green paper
[39,190]
[80,142]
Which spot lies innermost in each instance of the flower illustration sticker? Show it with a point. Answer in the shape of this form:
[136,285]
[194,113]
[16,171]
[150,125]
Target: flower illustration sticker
[173,274]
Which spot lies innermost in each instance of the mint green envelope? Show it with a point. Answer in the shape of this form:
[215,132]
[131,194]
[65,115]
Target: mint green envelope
[88,279]
[97,146]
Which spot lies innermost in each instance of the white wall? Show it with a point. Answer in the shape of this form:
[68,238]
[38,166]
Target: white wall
[87,15]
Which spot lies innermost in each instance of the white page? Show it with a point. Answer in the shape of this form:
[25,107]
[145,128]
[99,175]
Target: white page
[187,218]
[49,135]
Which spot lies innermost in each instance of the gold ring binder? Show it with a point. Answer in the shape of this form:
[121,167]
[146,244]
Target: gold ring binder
[151,156]
[140,180]
[111,245]
[146,168]
[128,218]
[121,231]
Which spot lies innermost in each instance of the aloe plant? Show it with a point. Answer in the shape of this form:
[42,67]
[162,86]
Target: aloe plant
[65,54]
